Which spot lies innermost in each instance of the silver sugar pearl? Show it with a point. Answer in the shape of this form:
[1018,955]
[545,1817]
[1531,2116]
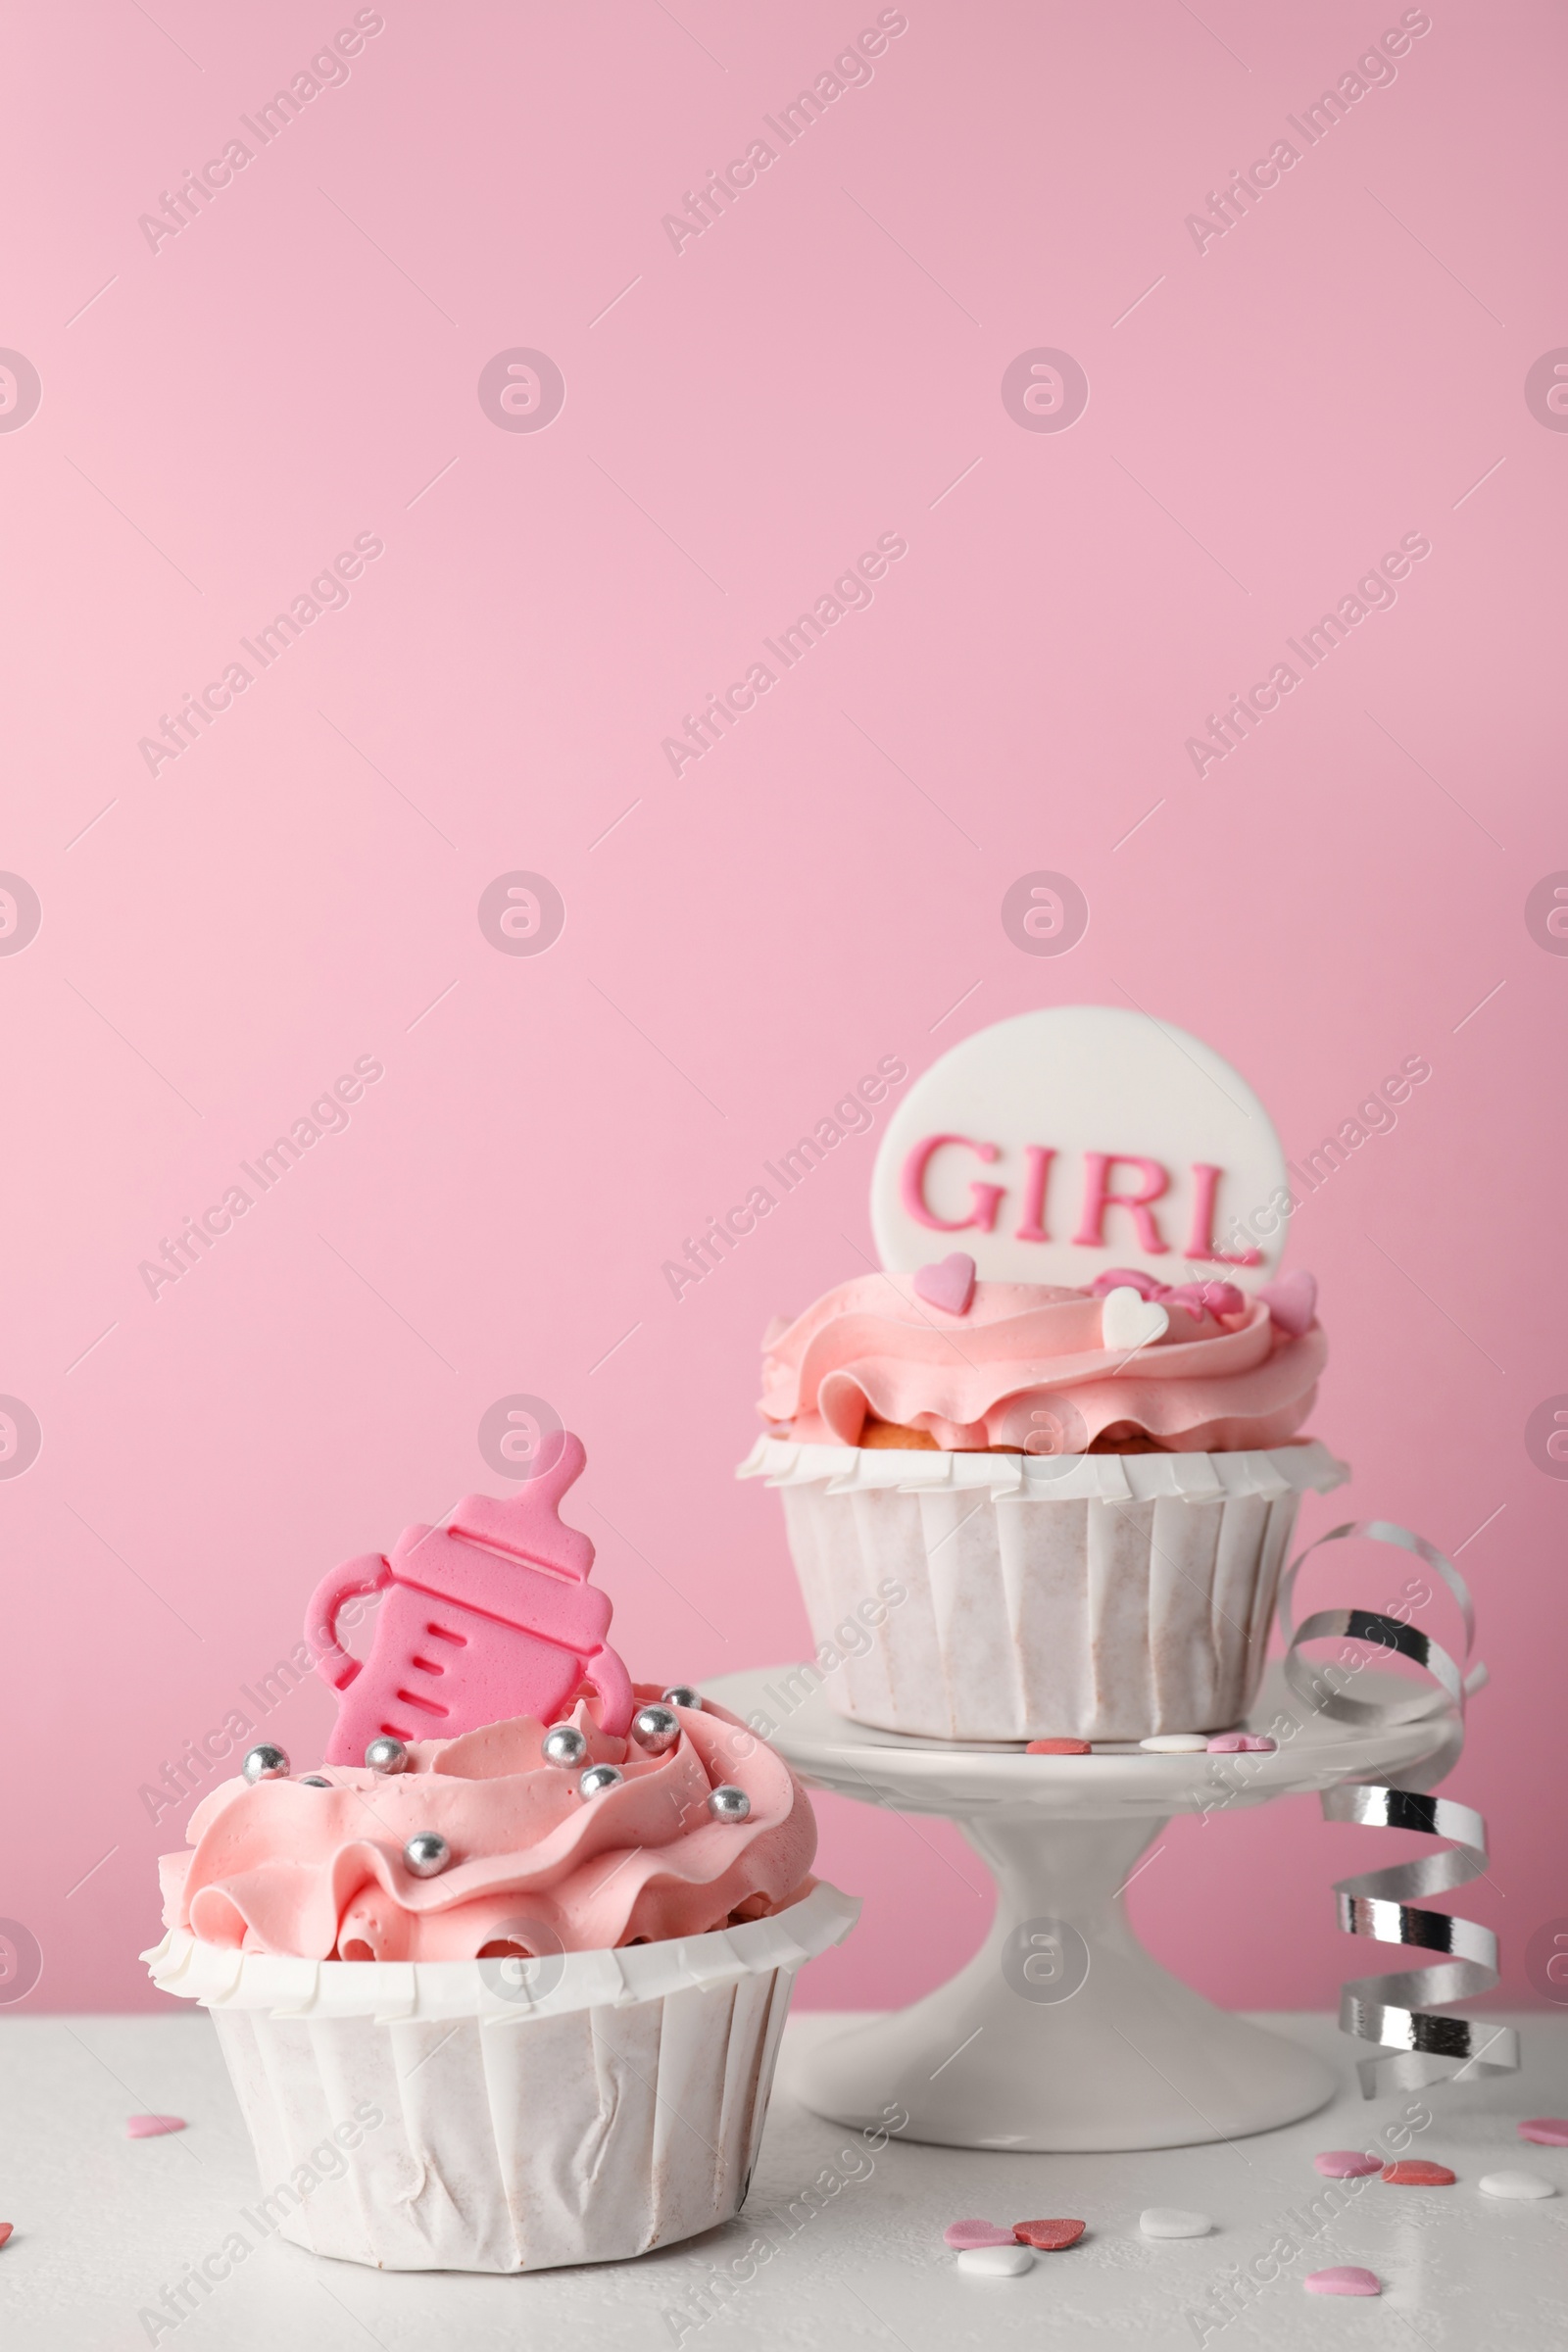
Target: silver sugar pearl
[729,1803]
[313,1780]
[388,1754]
[598,1778]
[683,1695]
[265,1763]
[655,1729]
[563,1744]
[427,1853]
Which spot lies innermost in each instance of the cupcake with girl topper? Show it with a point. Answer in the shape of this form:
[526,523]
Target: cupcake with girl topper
[1050,1454]
[500,1985]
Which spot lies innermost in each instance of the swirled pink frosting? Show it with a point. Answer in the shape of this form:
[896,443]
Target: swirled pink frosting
[1026,1367]
[318,1872]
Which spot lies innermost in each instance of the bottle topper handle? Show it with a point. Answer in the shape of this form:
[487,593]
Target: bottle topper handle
[610,1685]
[365,1574]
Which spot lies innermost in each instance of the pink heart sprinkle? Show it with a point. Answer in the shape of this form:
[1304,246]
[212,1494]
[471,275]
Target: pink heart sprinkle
[1048,2237]
[1242,1744]
[1347,2163]
[1292,1302]
[950,1285]
[1546,2130]
[152,2127]
[1346,2279]
[962,2234]
[5,2231]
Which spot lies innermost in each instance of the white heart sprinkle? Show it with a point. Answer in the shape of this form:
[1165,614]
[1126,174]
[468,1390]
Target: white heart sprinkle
[1175,1743]
[1515,2185]
[1170,2220]
[996,2262]
[1127,1321]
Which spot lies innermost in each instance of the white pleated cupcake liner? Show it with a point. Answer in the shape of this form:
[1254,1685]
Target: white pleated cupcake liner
[432,2116]
[1010,1598]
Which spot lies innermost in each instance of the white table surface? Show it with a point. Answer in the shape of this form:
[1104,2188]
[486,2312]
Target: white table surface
[103,2224]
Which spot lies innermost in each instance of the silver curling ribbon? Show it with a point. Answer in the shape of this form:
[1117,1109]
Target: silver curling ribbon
[1395,2012]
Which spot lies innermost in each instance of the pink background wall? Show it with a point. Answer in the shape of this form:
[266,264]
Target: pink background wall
[220,939]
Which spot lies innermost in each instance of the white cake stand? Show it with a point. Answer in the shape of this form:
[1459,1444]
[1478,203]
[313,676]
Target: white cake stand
[1063,2033]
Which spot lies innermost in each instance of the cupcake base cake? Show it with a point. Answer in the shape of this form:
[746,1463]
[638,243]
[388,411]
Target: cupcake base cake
[1013,1597]
[442,2115]
[1068,1507]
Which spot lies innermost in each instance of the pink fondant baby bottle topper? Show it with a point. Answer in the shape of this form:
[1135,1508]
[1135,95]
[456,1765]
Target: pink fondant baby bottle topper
[489,1617]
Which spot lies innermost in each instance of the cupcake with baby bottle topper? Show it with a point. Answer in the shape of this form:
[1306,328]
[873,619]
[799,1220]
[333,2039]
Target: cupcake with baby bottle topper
[1064,1419]
[518,1955]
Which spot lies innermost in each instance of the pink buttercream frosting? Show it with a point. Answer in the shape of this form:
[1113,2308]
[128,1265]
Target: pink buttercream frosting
[1026,1365]
[318,1872]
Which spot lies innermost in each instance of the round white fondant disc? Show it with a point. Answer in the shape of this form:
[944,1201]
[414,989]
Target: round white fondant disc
[1076,1081]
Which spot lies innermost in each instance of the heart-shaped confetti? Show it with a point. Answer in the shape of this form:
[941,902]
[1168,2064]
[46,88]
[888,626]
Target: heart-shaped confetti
[1059,1748]
[960,2234]
[1170,2220]
[5,2231]
[1346,2279]
[1242,1744]
[1174,1743]
[1546,2130]
[1416,2173]
[1127,1321]
[996,2262]
[152,2127]
[1049,2237]
[1292,1302]
[1515,2185]
[1347,2163]
[948,1285]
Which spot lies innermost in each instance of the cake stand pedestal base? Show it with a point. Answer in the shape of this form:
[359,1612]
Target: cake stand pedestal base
[1063,2033]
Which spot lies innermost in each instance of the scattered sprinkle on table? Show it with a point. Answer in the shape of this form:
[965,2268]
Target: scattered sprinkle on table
[5,2231]
[1048,2237]
[1347,2163]
[1242,1744]
[1515,2185]
[995,2262]
[1170,2220]
[960,2234]
[152,2127]
[1546,2130]
[1175,1743]
[1416,2173]
[1346,2279]
[1059,1748]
